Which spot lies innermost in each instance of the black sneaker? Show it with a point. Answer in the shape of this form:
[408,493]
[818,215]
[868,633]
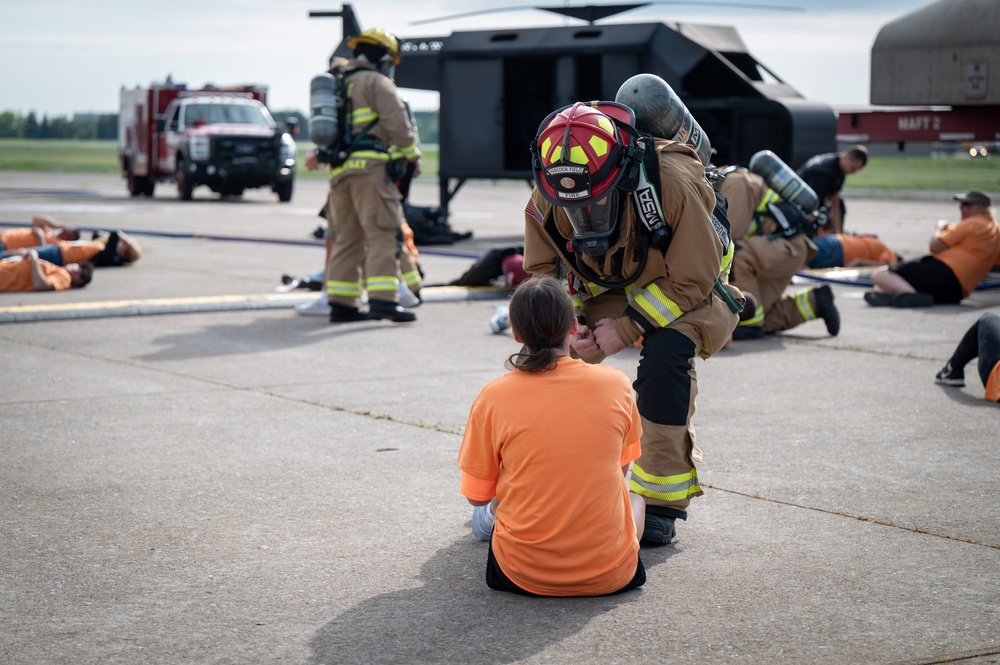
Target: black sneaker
[913,300]
[826,310]
[386,309]
[879,298]
[659,529]
[344,314]
[950,377]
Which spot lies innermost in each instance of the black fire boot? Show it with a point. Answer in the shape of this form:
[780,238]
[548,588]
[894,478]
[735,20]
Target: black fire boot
[659,529]
[344,314]
[386,309]
[826,310]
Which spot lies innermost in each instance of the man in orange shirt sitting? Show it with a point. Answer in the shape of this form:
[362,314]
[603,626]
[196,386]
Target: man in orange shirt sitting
[961,256]
[29,273]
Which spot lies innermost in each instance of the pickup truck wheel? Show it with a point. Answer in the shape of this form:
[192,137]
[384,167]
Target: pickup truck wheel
[185,188]
[285,191]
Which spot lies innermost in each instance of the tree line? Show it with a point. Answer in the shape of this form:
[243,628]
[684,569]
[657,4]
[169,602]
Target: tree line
[98,126]
[91,126]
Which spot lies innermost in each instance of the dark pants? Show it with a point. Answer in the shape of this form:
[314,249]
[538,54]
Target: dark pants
[982,340]
[929,275]
[498,581]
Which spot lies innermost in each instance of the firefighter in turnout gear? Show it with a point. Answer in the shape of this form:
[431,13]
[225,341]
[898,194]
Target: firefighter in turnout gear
[631,218]
[365,203]
[773,245]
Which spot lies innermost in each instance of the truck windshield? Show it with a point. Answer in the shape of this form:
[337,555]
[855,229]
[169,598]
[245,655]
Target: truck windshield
[212,114]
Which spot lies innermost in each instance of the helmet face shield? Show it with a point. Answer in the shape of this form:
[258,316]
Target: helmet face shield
[593,224]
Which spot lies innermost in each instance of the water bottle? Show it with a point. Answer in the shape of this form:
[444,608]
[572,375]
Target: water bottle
[660,112]
[323,110]
[784,180]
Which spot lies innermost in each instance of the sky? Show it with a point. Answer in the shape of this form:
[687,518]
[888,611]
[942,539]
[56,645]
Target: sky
[62,57]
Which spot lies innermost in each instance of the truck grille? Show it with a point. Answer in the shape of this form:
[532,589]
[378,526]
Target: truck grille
[244,149]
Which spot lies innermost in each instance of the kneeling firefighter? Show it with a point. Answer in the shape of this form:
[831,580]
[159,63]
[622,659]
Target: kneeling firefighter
[777,215]
[371,140]
[631,216]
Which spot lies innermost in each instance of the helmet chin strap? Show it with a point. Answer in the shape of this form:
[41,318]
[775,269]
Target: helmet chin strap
[387,66]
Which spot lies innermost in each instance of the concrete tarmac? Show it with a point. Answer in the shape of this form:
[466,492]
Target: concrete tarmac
[248,485]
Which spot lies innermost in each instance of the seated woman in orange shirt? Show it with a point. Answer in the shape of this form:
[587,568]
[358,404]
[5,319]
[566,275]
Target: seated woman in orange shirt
[544,457]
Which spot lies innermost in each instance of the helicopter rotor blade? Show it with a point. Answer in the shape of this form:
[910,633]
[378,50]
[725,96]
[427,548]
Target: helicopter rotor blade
[593,13]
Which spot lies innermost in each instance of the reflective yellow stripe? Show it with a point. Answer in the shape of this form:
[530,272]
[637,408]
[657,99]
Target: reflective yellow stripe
[758,318]
[805,309]
[412,277]
[769,197]
[651,300]
[577,301]
[363,116]
[349,289]
[411,151]
[727,258]
[358,161]
[666,488]
[382,283]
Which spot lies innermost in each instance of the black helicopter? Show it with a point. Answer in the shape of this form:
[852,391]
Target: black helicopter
[496,85]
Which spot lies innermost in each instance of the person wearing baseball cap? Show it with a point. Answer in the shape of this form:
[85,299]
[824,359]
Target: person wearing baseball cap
[961,254]
[974,197]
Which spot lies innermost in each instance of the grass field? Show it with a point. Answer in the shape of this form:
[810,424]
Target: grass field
[882,173]
[102,157]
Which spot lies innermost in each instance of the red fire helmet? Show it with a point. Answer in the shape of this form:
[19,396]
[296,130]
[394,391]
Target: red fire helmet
[580,154]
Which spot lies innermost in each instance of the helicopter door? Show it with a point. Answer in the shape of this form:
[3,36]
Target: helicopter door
[528,86]
[471,124]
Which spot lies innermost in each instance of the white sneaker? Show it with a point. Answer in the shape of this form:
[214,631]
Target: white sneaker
[318,307]
[406,297]
[500,320]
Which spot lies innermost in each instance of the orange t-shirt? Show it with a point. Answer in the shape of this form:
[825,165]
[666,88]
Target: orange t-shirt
[16,275]
[79,251]
[973,248]
[551,446]
[22,238]
[863,247]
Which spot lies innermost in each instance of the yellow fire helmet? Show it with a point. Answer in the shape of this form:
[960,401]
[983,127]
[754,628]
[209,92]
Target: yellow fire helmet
[378,37]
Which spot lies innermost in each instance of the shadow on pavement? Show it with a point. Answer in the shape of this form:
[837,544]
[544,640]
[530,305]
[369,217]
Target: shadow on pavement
[455,618]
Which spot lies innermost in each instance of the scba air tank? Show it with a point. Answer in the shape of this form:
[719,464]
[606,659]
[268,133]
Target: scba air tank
[784,180]
[660,112]
[323,110]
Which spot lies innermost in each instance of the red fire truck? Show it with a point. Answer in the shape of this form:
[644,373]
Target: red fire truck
[223,138]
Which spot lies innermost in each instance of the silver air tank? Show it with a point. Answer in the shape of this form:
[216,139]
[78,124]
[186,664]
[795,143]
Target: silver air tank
[784,180]
[323,110]
[660,112]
